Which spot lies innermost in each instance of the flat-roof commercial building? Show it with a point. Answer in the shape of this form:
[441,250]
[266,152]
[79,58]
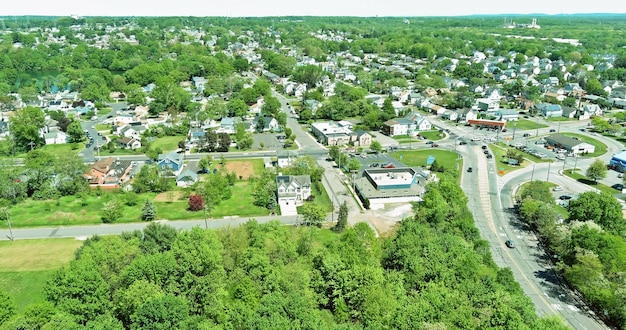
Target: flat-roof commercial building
[570,144]
[391,185]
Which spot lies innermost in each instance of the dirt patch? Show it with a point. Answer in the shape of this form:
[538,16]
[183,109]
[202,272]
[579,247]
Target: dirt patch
[241,168]
[168,196]
[386,220]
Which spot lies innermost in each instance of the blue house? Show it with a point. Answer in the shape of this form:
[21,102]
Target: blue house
[550,110]
[172,161]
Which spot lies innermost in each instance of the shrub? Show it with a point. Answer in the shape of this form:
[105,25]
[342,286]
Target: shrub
[196,203]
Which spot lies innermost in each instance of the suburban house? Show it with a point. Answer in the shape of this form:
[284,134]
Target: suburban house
[286,158]
[332,133]
[186,178]
[55,137]
[109,173]
[363,138]
[128,143]
[172,161]
[507,115]
[450,115]
[132,131]
[486,104]
[550,110]
[196,134]
[265,123]
[570,144]
[592,109]
[467,114]
[227,125]
[411,124]
[292,191]
[569,112]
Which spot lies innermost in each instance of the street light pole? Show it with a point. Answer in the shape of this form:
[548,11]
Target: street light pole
[206,224]
[537,126]
[575,163]
[548,176]
[532,175]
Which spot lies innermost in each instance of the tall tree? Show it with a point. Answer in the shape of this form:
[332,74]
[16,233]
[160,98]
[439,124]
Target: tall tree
[596,170]
[342,218]
[75,132]
[25,126]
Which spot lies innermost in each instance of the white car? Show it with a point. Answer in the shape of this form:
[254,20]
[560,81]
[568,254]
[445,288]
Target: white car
[476,138]
[557,188]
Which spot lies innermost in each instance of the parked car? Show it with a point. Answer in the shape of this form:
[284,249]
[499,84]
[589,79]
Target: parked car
[462,143]
[389,166]
[557,188]
[476,138]
[510,244]
[470,170]
[565,197]
[552,130]
[618,186]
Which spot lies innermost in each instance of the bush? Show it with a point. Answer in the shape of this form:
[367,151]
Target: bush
[196,203]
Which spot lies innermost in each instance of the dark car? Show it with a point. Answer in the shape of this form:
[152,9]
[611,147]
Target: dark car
[510,244]
[470,170]
[618,186]
[485,152]
[565,197]
[435,145]
[489,156]
[462,143]
[526,135]
[552,130]
[484,147]
[430,142]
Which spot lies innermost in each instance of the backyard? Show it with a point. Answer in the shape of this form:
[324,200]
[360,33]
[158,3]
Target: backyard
[86,208]
[167,143]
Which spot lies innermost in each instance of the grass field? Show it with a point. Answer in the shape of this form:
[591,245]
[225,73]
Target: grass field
[103,127]
[525,124]
[502,166]
[576,175]
[167,143]
[26,265]
[418,157]
[600,147]
[66,148]
[433,135]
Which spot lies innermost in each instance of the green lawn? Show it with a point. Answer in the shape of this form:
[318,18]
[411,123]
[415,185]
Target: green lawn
[167,143]
[418,157]
[103,127]
[104,111]
[525,124]
[600,147]
[321,198]
[502,166]
[583,179]
[433,135]
[73,148]
[26,265]
[402,139]
[560,119]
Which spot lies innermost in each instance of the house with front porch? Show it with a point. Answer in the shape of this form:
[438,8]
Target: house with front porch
[292,191]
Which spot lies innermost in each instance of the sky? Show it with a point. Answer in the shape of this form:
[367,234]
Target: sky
[238,8]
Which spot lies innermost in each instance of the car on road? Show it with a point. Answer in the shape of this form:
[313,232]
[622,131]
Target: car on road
[489,156]
[476,138]
[618,186]
[434,145]
[510,244]
[484,147]
[565,197]
[557,188]
[462,143]
[375,165]
[552,130]
[470,170]
[485,151]
[429,142]
[526,135]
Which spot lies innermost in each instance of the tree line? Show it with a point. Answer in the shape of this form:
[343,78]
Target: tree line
[434,272]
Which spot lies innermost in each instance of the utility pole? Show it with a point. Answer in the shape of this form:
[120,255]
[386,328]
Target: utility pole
[206,224]
[532,175]
[6,213]
[548,176]
[575,163]
[537,126]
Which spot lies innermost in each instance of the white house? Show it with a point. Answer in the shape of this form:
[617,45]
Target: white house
[286,158]
[292,191]
[58,137]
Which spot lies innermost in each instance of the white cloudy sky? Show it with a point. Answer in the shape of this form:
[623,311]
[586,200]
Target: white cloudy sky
[305,7]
